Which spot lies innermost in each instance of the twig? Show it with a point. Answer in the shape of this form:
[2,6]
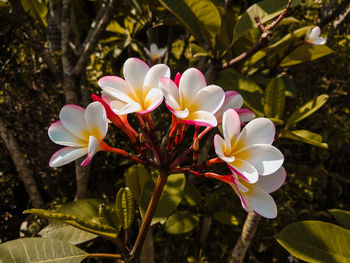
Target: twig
[102,20]
[264,38]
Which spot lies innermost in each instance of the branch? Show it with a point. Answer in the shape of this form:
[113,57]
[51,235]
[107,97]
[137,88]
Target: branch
[266,34]
[330,16]
[37,45]
[97,27]
[337,23]
[248,232]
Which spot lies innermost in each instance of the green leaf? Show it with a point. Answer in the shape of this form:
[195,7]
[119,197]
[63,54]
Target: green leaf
[207,14]
[35,249]
[316,241]
[229,79]
[342,217]
[192,196]
[305,136]
[83,214]
[307,109]
[37,9]
[125,207]
[114,27]
[265,10]
[181,222]
[275,98]
[291,90]
[169,200]
[185,15]
[226,218]
[135,179]
[304,53]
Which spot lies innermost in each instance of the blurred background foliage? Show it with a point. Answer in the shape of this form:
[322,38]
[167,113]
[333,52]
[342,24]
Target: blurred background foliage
[318,178]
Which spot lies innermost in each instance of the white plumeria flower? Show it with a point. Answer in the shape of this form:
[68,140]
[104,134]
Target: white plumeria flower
[139,91]
[193,101]
[154,52]
[248,153]
[256,197]
[312,36]
[233,100]
[82,131]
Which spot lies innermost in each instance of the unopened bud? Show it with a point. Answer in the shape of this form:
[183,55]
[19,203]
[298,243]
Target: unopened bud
[141,138]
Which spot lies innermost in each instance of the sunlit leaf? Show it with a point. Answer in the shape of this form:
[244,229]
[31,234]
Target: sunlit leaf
[125,207]
[37,9]
[275,98]
[181,222]
[192,196]
[169,200]
[316,241]
[305,53]
[342,217]
[43,250]
[265,10]
[307,109]
[305,136]
[226,218]
[135,179]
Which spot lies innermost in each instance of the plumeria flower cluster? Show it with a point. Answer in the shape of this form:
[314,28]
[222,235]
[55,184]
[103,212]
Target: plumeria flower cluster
[254,166]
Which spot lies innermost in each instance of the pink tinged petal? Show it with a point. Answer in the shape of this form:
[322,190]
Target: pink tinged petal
[260,202]
[96,120]
[170,92]
[72,118]
[92,149]
[239,194]
[153,76]
[115,104]
[66,155]
[272,182]
[135,71]
[116,87]
[245,115]
[233,100]
[177,79]
[209,99]
[153,99]
[265,158]
[245,170]
[201,118]
[220,146]
[258,131]
[130,107]
[60,135]
[231,127]
[192,81]
[180,114]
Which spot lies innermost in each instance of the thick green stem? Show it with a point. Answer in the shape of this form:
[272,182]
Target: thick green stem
[135,252]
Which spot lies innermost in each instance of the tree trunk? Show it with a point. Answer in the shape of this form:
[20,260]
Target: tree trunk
[23,169]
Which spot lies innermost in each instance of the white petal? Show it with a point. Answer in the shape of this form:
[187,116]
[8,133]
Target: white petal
[131,107]
[192,80]
[72,118]
[92,149]
[315,32]
[114,103]
[116,88]
[239,194]
[209,98]
[66,155]
[180,114]
[154,48]
[272,182]
[220,146]
[60,135]
[258,131]
[153,99]
[201,118]
[245,170]
[231,127]
[147,52]
[245,115]
[260,202]
[161,52]
[233,100]
[135,71]
[265,158]
[153,76]
[319,41]
[96,120]
[170,92]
